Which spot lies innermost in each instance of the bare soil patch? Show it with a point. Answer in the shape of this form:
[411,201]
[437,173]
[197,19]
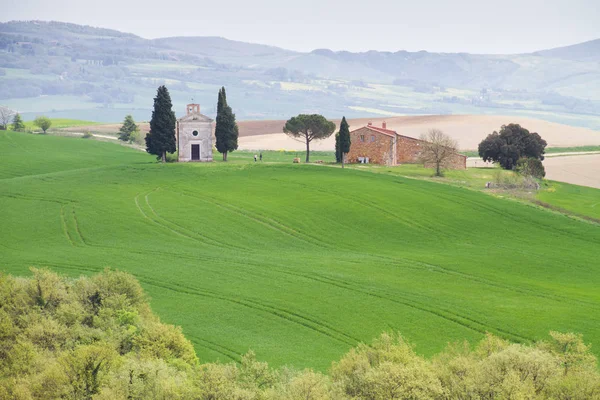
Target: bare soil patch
[580,170]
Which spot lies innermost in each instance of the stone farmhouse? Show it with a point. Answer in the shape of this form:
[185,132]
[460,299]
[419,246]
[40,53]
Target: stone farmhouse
[194,136]
[379,145]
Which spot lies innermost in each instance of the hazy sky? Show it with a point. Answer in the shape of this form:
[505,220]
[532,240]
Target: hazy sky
[475,26]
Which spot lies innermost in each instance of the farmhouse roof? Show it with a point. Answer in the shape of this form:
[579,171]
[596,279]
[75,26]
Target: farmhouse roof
[388,132]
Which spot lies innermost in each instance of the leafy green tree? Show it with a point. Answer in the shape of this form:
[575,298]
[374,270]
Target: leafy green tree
[343,141]
[18,125]
[44,123]
[128,130]
[338,152]
[309,128]
[226,129]
[161,138]
[512,143]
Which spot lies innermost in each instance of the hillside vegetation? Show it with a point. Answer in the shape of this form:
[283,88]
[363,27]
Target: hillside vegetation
[96,338]
[298,262]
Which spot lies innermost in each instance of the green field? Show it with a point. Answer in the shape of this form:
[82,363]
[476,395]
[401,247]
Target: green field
[298,262]
[60,123]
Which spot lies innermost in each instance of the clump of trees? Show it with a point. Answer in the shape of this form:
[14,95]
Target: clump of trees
[342,142]
[86,338]
[226,129]
[437,149]
[42,122]
[161,138]
[512,143]
[96,338]
[129,131]
[308,128]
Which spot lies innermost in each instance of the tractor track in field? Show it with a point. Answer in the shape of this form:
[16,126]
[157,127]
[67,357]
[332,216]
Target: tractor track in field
[190,233]
[163,223]
[423,266]
[389,212]
[63,223]
[254,216]
[290,316]
[407,301]
[217,348]
[482,206]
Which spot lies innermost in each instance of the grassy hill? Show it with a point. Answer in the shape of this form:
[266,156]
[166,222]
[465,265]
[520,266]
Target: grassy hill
[298,262]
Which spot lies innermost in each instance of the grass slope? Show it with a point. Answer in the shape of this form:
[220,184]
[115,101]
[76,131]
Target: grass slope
[298,262]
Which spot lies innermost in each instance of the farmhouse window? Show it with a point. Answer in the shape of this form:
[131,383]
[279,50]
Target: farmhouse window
[195,133]
[362,138]
[372,138]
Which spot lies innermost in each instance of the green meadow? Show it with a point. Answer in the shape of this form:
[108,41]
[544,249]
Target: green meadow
[58,123]
[299,262]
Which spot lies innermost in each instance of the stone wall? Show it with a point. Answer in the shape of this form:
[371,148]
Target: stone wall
[409,150]
[377,146]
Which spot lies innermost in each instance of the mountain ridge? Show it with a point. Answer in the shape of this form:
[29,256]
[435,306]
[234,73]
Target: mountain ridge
[104,71]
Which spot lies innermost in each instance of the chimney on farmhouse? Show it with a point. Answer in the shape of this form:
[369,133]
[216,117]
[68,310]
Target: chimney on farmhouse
[193,108]
[384,125]
[370,123]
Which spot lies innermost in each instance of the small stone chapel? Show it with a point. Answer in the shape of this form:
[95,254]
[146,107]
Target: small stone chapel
[194,136]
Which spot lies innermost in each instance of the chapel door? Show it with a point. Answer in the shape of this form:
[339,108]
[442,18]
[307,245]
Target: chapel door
[195,152]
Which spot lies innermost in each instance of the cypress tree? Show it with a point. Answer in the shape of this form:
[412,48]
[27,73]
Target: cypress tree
[161,138]
[338,153]
[18,124]
[344,140]
[226,129]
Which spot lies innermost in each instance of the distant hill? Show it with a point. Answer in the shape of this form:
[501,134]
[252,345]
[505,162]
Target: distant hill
[74,71]
[588,51]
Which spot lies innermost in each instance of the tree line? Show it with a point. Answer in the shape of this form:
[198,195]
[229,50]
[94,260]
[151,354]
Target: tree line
[96,338]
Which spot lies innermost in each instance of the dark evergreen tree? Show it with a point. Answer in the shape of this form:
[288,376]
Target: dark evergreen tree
[226,129]
[17,124]
[344,140]
[127,129]
[338,150]
[161,139]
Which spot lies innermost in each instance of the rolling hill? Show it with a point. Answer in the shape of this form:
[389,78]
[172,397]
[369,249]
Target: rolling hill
[298,262]
[73,71]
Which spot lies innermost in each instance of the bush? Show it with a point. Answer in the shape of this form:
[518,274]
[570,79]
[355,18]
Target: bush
[87,135]
[172,157]
[531,167]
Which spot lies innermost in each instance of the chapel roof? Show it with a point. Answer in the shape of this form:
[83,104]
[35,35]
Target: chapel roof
[195,117]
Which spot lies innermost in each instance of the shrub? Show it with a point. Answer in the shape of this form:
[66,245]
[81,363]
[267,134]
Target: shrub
[531,167]
[87,135]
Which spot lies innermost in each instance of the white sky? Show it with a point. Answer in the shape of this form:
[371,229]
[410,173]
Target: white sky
[474,26]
